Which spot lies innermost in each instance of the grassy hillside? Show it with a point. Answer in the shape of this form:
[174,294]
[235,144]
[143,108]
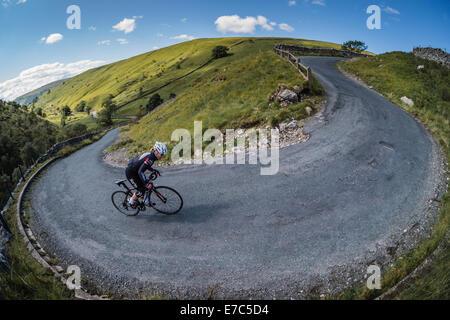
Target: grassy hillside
[231,92]
[395,75]
[27,98]
[128,79]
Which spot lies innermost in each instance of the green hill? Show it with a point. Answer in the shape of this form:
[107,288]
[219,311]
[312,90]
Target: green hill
[27,98]
[129,78]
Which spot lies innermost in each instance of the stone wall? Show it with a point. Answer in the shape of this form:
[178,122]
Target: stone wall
[319,51]
[433,54]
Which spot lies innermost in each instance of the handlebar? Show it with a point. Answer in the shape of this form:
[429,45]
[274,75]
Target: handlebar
[154,175]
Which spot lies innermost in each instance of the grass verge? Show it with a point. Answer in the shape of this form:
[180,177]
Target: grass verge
[395,75]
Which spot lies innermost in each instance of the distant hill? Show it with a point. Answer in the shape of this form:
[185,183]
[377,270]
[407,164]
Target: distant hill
[27,98]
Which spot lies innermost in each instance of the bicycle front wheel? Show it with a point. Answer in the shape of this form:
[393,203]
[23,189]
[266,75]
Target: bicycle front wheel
[166,200]
[120,201]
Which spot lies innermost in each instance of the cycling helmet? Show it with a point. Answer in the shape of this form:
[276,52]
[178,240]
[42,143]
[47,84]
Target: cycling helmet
[161,147]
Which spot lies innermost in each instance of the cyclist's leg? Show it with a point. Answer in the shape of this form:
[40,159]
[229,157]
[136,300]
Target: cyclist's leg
[132,176]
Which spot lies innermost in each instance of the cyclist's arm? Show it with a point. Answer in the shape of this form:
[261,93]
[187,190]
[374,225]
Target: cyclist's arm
[146,165]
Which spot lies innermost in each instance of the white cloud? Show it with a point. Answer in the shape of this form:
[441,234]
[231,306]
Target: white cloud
[126,25]
[391,10]
[41,75]
[184,20]
[104,43]
[92,28]
[122,41]
[319,2]
[138,17]
[183,37]
[6,3]
[155,48]
[159,35]
[53,38]
[286,27]
[237,24]
[292,3]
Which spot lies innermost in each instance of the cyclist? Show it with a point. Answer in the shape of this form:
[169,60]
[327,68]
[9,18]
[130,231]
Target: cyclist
[138,165]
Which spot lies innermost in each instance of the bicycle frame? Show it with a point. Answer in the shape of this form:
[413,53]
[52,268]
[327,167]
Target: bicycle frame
[149,191]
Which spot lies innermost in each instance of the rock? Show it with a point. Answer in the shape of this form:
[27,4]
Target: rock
[59,269]
[433,54]
[420,67]
[289,95]
[309,111]
[219,79]
[283,126]
[292,125]
[296,89]
[408,101]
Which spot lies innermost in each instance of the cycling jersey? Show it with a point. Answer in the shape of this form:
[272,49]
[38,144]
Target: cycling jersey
[137,167]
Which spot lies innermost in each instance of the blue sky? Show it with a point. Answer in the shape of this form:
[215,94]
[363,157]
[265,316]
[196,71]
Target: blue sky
[27,24]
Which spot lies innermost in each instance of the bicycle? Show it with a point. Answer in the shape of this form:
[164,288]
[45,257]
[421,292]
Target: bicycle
[165,200]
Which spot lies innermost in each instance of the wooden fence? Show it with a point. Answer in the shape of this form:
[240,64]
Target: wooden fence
[295,61]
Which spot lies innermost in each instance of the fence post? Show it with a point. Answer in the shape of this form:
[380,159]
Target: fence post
[21,173]
[7,188]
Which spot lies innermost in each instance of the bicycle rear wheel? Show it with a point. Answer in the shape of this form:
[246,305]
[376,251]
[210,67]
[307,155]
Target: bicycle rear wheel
[166,200]
[120,201]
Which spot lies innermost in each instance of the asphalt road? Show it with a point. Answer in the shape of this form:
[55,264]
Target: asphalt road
[355,194]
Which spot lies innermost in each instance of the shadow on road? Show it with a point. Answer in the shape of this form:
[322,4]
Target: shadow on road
[188,215]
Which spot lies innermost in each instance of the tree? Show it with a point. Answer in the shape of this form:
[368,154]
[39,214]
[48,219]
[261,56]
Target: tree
[154,101]
[109,104]
[63,121]
[29,153]
[108,108]
[81,106]
[354,45]
[16,176]
[105,117]
[39,112]
[220,52]
[88,110]
[75,130]
[66,111]
[172,95]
